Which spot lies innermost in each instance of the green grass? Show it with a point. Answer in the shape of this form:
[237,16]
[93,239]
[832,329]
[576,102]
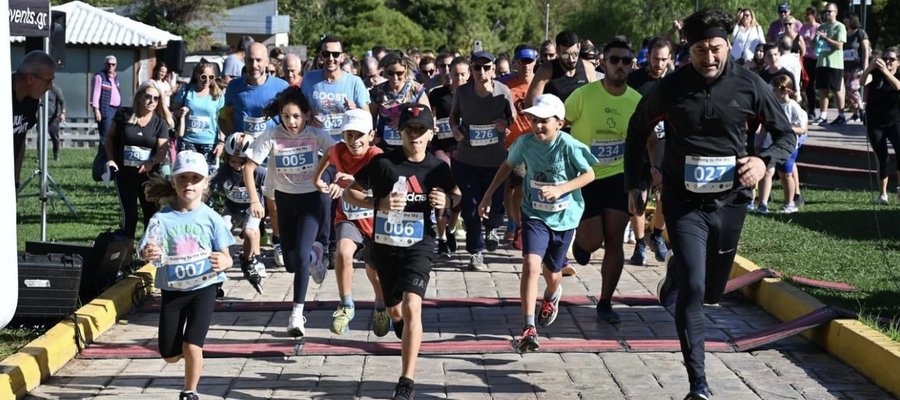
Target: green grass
[838,236]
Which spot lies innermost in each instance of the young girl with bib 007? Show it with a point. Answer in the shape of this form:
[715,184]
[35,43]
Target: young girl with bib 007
[188,241]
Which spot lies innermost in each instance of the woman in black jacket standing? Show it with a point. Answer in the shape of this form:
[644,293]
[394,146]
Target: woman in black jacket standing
[883,113]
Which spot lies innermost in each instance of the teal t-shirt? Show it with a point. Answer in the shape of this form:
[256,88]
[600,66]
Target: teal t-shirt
[202,122]
[557,162]
[831,57]
[188,238]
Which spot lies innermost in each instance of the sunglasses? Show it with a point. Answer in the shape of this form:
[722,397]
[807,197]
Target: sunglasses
[573,55]
[207,77]
[151,98]
[482,67]
[616,59]
[889,59]
[333,54]
[429,72]
[444,66]
[398,74]
[110,64]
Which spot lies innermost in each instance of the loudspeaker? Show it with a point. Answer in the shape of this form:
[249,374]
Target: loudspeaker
[103,260]
[33,43]
[174,56]
[48,285]
[58,37]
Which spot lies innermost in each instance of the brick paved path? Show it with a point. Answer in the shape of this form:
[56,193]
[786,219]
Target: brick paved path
[790,369]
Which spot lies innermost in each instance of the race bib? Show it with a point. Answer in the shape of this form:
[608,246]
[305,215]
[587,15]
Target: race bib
[294,160]
[186,272]
[333,124]
[709,174]
[608,151]
[199,123]
[355,213]
[134,156]
[540,203]
[238,194]
[391,136]
[443,129]
[483,135]
[409,231]
[254,126]
[851,55]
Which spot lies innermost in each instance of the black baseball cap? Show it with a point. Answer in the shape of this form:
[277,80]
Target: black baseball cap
[415,113]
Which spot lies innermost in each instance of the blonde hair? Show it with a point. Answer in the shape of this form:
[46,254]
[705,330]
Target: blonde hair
[161,110]
[159,190]
[753,21]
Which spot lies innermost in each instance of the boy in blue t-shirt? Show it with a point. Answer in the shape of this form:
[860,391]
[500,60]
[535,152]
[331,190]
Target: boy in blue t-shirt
[236,212]
[558,166]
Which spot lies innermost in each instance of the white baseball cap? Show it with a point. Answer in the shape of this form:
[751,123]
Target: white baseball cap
[190,161]
[546,106]
[358,120]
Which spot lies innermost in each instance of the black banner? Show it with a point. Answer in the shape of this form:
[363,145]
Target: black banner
[29,18]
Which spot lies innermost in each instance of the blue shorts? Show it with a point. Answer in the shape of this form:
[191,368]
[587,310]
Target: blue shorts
[552,246]
[787,166]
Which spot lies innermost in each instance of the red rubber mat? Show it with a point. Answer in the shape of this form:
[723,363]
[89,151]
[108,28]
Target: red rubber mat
[786,329]
[244,306]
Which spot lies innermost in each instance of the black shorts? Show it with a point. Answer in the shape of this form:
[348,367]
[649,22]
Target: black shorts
[174,326]
[829,78]
[402,269]
[602,194]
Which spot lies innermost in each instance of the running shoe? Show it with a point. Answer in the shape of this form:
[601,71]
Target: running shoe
[250,268]
[666,291]
[700,392]
[640,253]
[476,261]
[317,267]
[491,240]
[398,328]
[658,246]
[296,326]
[840,120]
[582,256]
[606,313]
[451,241]
[762,209]
[278,255]
[528,342]
[443,250]
[799,200]
[381,322]
[883,199]
[405,389]
[257,265]
[788,208]
[550,309]
[340,322]
[188,395]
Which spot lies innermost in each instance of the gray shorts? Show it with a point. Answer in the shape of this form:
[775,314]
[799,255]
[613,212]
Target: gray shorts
[348,230]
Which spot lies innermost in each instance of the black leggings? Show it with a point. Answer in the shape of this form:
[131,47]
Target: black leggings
[130,186]
[811,102]
[184,317]
[299,219]
[878,137]
[704,242]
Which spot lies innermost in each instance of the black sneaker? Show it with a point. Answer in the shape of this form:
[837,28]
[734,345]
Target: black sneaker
[799,201]
[840,120]
[188,395]
[699,392]
[405,389]
[854,117]
[251,269]
[443,250]
[491,240]
[640,253]
[220,293]
[582,256]
[398,328]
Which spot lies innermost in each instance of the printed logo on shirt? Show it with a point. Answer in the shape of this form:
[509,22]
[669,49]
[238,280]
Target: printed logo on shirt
[415,194]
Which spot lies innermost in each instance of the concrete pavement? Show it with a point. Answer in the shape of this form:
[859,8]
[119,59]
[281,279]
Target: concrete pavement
[792,368]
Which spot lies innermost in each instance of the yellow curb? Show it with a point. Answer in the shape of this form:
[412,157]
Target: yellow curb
[38,360]
[868,351]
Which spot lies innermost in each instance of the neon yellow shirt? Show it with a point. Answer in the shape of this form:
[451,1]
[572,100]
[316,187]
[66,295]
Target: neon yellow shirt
[600,120]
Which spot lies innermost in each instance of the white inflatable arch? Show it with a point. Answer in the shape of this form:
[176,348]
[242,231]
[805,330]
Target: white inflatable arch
[9,266]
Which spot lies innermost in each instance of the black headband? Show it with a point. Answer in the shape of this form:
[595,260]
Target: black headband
[707,33]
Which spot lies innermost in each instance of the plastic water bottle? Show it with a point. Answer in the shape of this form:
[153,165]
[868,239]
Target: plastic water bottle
[155,237]
[396,216]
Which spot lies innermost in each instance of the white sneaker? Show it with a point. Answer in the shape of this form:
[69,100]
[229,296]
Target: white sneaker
[789,208]
[278,255]
[629,234]
[883,199]
[296,326]
[318,266]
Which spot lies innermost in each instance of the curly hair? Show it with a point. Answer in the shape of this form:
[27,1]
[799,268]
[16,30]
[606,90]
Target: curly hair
[291,95]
